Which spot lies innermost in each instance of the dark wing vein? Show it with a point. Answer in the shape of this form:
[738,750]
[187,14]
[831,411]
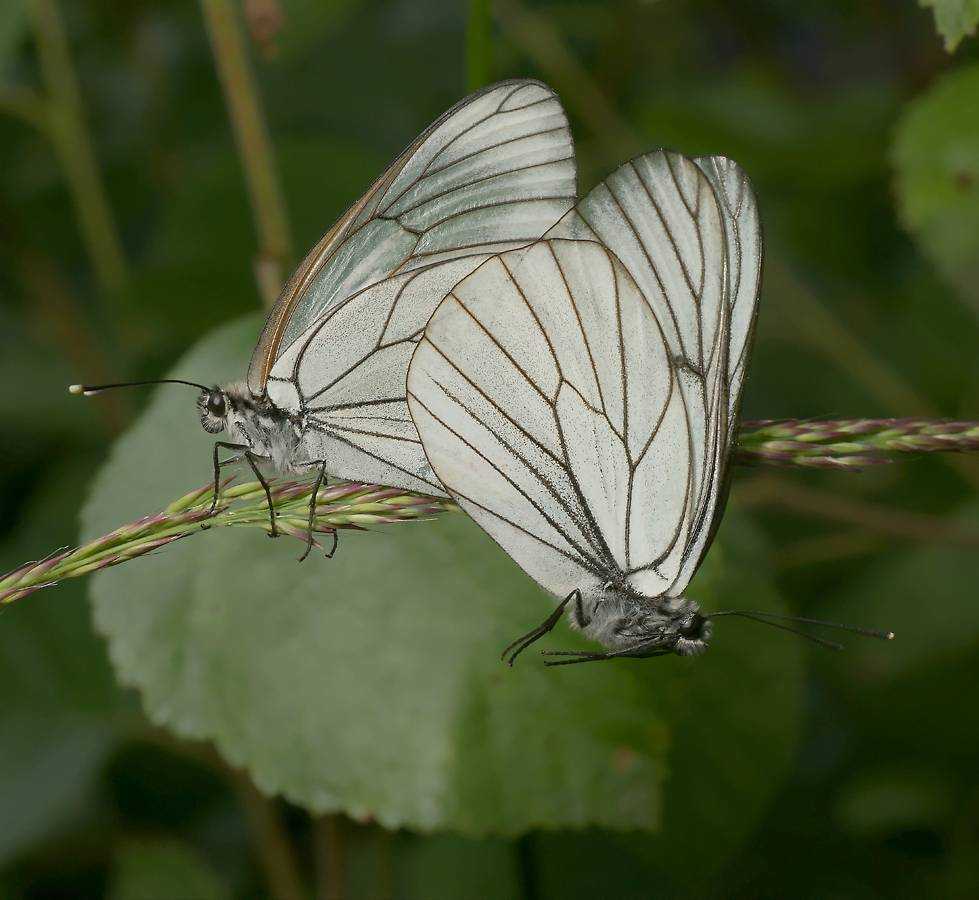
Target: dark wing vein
[466,185]
[584,336]
[544,481]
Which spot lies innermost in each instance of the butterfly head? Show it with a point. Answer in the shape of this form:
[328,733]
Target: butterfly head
[233,408]
[690,631]
[213,405]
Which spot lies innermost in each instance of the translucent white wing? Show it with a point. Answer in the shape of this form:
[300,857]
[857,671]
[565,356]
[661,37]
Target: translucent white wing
[553,407]
[638,213]
[645,213]
[742,227]
[348,376]
[494,171]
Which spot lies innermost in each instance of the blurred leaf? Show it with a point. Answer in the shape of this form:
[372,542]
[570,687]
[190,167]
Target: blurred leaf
[153,870]
[888,801]
[372,684]
[936,154]
[13,29]
[954,19]
[59,708]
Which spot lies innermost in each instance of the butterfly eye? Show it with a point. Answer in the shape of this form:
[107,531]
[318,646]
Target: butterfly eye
[695,629]
[215,404]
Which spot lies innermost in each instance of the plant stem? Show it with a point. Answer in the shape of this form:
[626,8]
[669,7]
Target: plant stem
[267,830]
[254,145]
[271,841]
[339,506]
[479,44]
[65,121]
[848,444]
[328,843]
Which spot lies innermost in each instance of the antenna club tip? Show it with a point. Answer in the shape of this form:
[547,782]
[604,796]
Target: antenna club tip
[888,635]
[79,390]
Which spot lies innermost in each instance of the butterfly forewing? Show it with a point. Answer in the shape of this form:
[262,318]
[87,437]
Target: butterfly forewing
[493,173]
[504,146]
[521,393]
[744,253]
[665,216]
[575,396]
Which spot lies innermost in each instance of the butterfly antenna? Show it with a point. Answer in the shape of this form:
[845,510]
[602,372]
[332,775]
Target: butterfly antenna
[90,390]
[878,633]
[831,645]
[766,618]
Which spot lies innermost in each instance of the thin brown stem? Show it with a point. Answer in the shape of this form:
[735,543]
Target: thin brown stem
[67,129]
[271,841]
[328,846]
[268,831]
[766,490]
[254,145]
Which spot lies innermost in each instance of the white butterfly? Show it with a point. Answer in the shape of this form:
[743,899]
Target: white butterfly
[326,384]
[578,397]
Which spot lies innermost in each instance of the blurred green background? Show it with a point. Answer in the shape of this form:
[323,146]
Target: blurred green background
[127,235]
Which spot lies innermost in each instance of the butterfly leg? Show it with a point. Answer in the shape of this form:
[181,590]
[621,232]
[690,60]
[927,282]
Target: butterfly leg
[312,515]
[218,445]
[579,656]
[268,491]
[583,620]
[524,641]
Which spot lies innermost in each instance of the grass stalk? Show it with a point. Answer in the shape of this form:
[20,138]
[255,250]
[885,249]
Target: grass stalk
[841,444]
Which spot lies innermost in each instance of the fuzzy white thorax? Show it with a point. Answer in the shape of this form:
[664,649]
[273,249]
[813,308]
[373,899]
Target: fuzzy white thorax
[619,619]
[268,431]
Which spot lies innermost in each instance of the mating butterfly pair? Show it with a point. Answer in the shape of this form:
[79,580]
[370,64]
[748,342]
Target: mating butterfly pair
[569,372]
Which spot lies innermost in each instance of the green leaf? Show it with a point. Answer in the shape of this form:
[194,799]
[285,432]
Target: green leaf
[372,683]
[954,19]
[150,870]
[60,708]
[936,155]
